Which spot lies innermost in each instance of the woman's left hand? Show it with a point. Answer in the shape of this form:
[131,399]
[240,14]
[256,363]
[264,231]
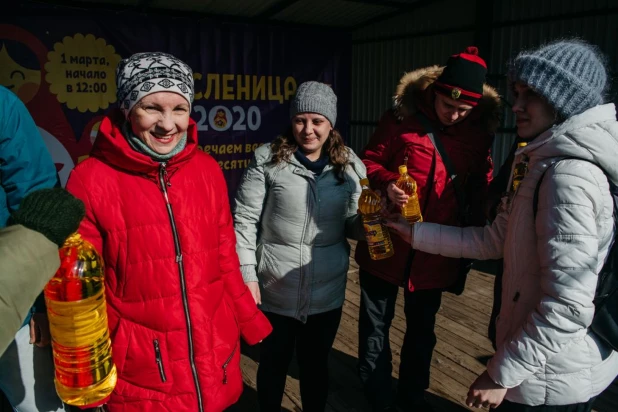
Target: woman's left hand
[484,393]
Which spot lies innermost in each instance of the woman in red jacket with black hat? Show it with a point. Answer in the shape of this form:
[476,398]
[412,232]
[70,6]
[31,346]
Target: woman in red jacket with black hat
[157,210]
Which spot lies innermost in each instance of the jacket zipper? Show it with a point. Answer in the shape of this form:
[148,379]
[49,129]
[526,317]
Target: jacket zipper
[164,183]
[159,360]
[301,273]
[227,362]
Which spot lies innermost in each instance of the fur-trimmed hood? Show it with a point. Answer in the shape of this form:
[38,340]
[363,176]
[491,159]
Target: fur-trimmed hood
[412,90]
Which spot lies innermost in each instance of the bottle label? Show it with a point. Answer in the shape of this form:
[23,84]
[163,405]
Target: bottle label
[373,231]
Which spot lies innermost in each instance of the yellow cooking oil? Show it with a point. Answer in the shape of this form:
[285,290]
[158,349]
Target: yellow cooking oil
[412,209]
[376,233]
[75,297]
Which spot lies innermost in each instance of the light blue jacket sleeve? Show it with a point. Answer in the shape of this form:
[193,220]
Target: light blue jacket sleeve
[250,198]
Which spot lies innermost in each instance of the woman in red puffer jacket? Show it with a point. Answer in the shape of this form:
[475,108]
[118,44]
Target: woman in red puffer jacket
[157,210]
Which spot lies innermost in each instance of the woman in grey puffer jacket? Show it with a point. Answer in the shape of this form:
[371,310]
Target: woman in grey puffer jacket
[547,358]
[295,206]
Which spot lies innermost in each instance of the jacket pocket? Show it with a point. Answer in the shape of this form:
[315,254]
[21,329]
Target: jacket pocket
[142,362]
[267,262]
[159,360]
[227,362]
[226,332]
[331,263]
[268,268]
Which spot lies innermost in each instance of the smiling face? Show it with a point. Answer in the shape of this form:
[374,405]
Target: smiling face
[23,82]
[450,111]
[311,130]
[160,120]
[533,113]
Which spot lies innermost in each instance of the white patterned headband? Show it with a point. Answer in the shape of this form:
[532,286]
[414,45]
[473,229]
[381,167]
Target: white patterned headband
[146,73]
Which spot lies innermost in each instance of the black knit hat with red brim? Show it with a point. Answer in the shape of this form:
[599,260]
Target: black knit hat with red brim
[463,77]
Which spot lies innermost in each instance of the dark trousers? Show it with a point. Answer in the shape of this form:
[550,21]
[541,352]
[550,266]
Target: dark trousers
[507,406]
[378,298]
[312,341]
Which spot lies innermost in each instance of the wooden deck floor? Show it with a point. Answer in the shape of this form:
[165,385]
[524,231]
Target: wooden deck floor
[458,358]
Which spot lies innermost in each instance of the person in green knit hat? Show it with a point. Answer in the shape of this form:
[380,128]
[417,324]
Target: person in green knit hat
[29,253]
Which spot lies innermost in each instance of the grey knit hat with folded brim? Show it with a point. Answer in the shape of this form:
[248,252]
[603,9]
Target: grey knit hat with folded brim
[315,97]
[570,74]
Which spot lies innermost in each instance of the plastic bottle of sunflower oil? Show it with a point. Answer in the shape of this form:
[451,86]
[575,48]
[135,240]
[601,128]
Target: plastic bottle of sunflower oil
[376,233]
[412,209]
[75,298]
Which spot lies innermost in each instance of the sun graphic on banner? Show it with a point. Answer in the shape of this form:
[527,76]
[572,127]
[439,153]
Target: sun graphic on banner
[81,72]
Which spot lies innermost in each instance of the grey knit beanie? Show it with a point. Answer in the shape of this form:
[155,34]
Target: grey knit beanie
[570,74]
[146,73]
[315,97]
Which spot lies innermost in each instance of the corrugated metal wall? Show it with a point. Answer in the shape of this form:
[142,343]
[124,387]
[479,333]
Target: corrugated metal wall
[384,51]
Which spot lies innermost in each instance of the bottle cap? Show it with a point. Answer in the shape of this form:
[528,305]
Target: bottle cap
[364,181]
[403,169]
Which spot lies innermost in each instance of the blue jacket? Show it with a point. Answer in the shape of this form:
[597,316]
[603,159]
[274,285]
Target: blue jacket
[25,163]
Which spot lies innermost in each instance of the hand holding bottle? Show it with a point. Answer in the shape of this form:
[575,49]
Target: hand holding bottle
[396,195]
[55,213]
[398,224]
[411,209]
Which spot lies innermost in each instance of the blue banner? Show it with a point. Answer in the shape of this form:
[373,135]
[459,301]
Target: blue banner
[245,75]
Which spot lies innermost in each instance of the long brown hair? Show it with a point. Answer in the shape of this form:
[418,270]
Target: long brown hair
[285,145]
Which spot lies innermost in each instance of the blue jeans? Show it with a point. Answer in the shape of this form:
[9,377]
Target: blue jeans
[27,376]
